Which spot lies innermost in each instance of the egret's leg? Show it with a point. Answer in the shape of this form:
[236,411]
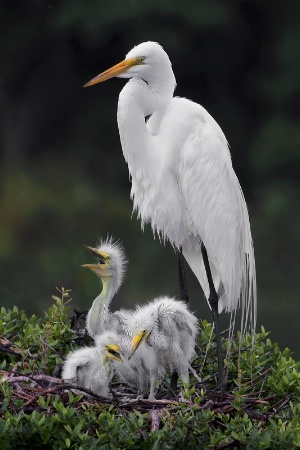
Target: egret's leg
[141,386]
[213,301]
[182,278]
[172,391]
[184,375]
[153,379]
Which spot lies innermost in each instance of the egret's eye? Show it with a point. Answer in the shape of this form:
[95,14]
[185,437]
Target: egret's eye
[142,59]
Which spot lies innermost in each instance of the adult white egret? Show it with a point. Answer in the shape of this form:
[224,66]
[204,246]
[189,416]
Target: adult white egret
[91,367]
[183,182]
[168,330]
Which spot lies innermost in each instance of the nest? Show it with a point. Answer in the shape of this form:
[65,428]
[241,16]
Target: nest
[27,388]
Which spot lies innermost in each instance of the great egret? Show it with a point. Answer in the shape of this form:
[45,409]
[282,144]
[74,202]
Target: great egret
[169,331]
[91,367]
[183,182]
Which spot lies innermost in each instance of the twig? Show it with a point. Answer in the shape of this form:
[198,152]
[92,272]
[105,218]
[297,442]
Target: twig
[280,405]
[14,369]
[230,443]
[255,415]
[46,378]
[147,403]
[11,350]
[64,386]
[155,420]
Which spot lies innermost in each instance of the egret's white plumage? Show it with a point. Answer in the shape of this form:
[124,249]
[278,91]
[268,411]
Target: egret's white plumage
[134,372]
[183,182]
[111,269]
[167,329]
[91,367]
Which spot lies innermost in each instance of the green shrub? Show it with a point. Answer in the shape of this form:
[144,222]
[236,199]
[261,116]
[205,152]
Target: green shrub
[259,410]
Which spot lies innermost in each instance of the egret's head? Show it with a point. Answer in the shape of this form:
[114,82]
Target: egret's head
[144,325]
[112,351]
[108,345]
[111,260]
[147,61]
[137,340]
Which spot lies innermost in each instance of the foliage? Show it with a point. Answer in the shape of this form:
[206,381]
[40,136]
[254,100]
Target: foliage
[259,410]
[44,341]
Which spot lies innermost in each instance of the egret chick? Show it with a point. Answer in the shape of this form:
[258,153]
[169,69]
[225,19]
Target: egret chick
[168,330]
[91,367]
[133,372]
[110,269]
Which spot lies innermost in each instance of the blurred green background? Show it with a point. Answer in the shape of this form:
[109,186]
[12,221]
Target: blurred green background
[63,179]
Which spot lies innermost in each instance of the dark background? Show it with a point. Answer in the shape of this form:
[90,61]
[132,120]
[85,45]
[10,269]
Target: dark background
[63,179]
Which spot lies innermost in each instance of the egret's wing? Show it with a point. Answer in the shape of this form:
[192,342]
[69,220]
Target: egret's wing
[84,367]
[78,358]
[183,323]
[174,314]
[119,321]
[217,214]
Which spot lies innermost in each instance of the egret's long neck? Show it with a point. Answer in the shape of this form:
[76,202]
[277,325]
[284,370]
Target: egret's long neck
[138,100]
[98,314]
[107,366]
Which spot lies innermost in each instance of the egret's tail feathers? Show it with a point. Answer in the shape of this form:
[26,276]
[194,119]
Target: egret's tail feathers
[191,250]
[235,282]
[248,297]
